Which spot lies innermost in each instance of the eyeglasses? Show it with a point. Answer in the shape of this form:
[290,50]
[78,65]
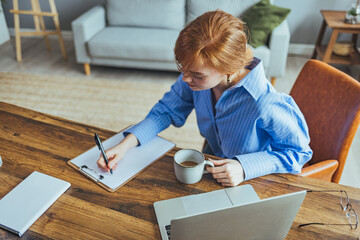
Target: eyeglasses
[345,206]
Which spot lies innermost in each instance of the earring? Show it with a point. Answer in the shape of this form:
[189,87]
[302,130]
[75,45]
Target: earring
[228,79]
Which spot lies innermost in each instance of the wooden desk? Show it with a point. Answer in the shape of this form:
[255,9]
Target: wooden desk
[335,21]
[32,141]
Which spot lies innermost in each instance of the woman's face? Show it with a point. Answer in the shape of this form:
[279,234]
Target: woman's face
[203,78]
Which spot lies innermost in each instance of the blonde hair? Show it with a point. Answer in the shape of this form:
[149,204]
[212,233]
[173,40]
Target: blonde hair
[216,39]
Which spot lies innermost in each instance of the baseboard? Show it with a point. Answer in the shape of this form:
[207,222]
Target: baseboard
[301,49]
[66,34]
[294,48]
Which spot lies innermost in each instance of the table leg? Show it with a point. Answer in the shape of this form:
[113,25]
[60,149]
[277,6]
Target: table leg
[330,46]
[319,39]
[354,40]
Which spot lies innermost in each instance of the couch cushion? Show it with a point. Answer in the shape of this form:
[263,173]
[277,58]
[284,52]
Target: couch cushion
[261,19]
[263,53]
[235,7]
[134,43]
[150,13]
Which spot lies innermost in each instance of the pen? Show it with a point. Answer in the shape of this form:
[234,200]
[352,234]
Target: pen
[100,146]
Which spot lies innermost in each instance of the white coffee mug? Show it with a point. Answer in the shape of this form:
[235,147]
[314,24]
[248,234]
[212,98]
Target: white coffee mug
[189,165]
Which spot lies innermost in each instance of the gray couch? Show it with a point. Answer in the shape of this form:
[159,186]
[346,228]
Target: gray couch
[142,34]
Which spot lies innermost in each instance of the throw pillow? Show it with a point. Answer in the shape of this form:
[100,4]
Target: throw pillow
[261,19]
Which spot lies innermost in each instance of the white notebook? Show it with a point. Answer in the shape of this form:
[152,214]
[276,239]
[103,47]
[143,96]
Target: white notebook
[23,205]
[134,161]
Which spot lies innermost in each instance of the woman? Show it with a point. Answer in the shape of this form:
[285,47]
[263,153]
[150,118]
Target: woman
[244,120]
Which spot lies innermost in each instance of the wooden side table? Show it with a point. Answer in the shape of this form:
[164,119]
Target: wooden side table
[335,20]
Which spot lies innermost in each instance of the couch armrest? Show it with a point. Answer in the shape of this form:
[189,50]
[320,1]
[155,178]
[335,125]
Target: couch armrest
[84,28]
[279,46]
[323,170]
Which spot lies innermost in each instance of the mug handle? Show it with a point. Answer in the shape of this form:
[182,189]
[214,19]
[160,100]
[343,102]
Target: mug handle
[207,162]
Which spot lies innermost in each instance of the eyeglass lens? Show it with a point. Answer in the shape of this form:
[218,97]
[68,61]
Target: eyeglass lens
[353,218]
[345,206]
[344,200]
[350,212]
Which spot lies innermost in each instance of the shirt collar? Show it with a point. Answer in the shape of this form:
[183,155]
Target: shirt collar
[255,82]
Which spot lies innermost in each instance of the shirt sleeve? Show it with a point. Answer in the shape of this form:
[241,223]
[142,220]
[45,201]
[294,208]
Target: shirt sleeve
[173,108]
[280,119]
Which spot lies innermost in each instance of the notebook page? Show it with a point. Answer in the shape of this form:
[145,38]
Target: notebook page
[133,162]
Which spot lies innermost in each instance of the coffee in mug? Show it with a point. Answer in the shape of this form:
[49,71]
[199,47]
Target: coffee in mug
[189,165]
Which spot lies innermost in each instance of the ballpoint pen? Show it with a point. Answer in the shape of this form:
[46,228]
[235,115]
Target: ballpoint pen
[100,146]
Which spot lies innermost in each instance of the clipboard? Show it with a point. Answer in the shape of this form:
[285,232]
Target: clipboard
[135,160]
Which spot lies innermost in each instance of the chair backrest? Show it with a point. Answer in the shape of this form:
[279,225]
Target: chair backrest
[330,102]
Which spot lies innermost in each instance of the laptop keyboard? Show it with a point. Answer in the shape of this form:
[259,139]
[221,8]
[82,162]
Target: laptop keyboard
[167,227]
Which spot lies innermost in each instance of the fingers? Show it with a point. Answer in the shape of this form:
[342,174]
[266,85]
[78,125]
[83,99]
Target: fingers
[114,167]
[220,166]
[227,182]
[223,180]
[114,155]
[101,163]
[221,175]
[215,169]
[219,162]
[228,172]
[112,161]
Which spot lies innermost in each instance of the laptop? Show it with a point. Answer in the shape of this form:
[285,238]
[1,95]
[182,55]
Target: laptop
[231,213]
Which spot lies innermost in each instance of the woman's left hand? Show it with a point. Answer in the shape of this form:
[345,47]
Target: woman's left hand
[228,172]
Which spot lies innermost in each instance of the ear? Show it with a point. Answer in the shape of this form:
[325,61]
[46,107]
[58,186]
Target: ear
[230,76]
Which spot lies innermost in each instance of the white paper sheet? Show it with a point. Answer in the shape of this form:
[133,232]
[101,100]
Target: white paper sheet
[133,162]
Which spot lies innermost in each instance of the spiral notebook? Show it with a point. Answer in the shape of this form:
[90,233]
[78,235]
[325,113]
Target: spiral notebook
[135,160]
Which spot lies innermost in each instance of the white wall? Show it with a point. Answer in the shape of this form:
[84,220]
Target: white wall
[304,19]
[68,11]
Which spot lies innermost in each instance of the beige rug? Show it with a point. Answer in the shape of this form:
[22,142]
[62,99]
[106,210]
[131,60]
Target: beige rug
[107,103]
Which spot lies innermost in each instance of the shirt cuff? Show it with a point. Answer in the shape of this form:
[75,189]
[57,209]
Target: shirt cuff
[144,130]
[257,164]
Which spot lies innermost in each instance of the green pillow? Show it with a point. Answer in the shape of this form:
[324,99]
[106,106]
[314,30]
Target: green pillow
[261,19]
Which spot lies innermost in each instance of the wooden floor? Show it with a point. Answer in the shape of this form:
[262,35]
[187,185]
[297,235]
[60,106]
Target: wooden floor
[37,60]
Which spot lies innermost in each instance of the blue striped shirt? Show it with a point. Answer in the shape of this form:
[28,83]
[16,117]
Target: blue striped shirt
[263,129]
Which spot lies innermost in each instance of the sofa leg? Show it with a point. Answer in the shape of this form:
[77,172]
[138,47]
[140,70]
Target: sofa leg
[87,69]
[273,80]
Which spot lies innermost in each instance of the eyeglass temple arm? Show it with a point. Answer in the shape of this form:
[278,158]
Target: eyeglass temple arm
[325,191]
[306,224]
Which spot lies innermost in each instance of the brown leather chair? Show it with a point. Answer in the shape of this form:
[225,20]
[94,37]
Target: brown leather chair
[330,102]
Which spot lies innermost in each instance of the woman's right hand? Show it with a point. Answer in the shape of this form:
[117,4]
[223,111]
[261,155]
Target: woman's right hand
[116,153]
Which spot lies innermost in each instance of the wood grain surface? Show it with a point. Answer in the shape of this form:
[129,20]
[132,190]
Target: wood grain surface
[32,141]
[335,20]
